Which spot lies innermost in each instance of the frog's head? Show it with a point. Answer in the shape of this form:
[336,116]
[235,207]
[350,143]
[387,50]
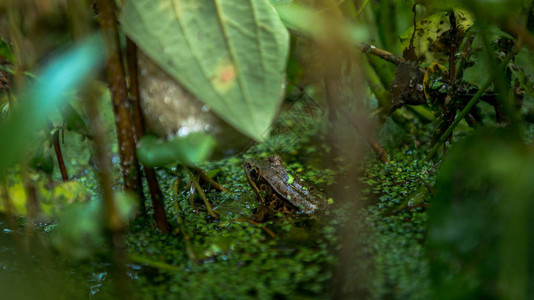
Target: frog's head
[261,173]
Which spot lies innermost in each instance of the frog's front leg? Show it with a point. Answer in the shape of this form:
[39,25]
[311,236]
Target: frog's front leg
[263,213]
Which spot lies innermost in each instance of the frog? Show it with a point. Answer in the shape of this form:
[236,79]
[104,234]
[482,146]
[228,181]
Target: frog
[279,191]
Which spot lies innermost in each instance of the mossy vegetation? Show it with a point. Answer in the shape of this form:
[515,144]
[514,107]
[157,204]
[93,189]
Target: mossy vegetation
[239,259]
[415,118]
[299,261]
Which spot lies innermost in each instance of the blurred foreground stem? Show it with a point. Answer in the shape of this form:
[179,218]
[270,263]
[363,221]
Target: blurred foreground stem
[114,223]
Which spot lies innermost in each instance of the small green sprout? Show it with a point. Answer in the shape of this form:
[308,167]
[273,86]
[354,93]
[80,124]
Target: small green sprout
[290,179]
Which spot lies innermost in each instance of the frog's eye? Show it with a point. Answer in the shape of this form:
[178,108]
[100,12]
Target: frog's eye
[254,173]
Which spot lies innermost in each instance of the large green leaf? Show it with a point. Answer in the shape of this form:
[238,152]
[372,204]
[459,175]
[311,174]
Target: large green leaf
[229,54]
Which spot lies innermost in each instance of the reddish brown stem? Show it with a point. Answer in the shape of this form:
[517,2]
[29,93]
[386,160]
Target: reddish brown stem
[125,136]
[119,95]
[137,115]
[157,201]
[139,129]
[59,156]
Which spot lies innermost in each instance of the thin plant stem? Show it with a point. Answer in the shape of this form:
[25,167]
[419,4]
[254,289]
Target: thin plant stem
[201,193]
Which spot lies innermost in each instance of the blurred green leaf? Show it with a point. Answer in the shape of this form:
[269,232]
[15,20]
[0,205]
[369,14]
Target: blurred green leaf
[127,205]
[525,61]
[212,173]
[495,10]
[45,95]
[190,149]
[480,220]
[300,18]
[5,51]
[231,55]
[484,9]
[280,2]
[73,120]
[441,4]
[44,158]
[524,72]
[79,232]
[479,73]
[311,22]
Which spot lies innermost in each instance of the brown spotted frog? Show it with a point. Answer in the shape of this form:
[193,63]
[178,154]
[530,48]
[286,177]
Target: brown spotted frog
[279,191]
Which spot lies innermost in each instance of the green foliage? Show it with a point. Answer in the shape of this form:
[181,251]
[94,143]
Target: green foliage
[311,23]
[480,64]
[393,182]
[5,51]
[477,74]
[43,159]
[298,263]
[495,10]
[40,275]
[80,232]
[190,149]
[51,200]
[524,70]
[479,223]
[44,96]
[391,255]
[73,120]
[389,247]
[270,269]
[232,57]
